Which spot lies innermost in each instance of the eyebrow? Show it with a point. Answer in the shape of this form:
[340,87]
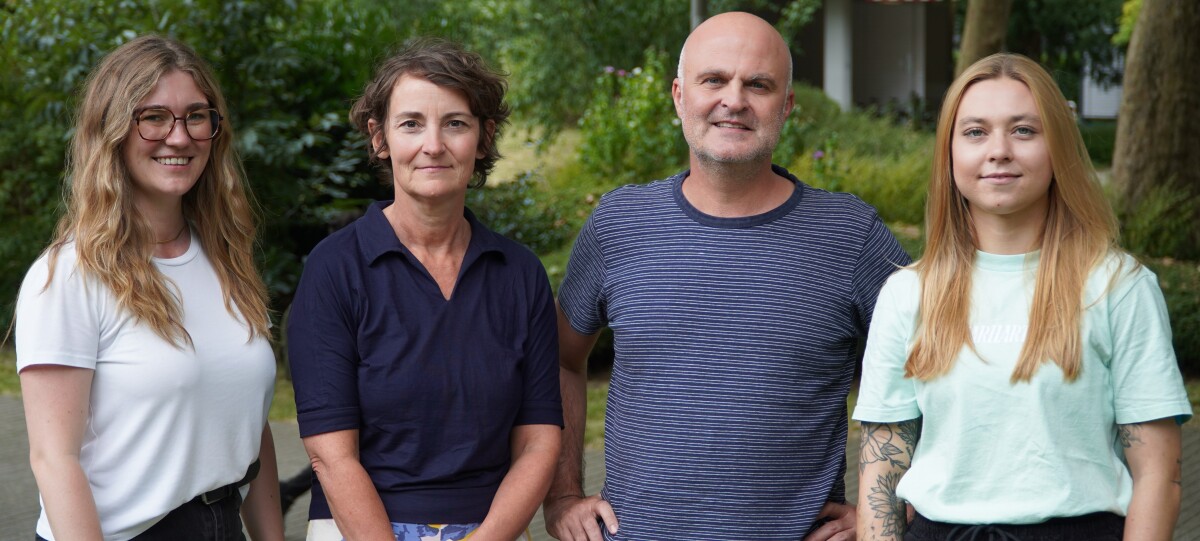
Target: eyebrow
[1012,119]
[190,107]
[756,77]
[417,114]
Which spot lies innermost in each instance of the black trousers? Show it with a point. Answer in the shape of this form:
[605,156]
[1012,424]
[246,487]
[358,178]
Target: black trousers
[198,521]
[1093,527]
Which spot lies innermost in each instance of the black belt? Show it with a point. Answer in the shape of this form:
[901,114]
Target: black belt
[220,493]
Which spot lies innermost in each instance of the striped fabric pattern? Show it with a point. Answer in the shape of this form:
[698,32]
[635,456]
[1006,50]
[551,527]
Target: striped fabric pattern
[735,347]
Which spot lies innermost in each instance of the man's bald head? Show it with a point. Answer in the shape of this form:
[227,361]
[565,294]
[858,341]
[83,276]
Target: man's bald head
[737,23]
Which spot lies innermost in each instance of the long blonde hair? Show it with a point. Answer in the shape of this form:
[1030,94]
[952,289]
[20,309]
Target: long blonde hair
[1080,230]
[113,240]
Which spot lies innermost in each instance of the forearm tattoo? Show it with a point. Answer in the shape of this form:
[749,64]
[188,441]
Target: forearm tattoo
[892,444]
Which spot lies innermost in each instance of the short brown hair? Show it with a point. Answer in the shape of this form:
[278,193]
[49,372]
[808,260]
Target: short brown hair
[446,64]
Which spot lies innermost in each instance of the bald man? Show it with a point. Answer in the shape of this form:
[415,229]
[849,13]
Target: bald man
[736,294]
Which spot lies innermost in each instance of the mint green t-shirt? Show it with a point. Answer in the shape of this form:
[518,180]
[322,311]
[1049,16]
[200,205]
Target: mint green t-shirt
[992,452]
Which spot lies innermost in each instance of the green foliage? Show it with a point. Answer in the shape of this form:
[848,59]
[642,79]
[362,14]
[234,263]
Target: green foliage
[885,164]
[630,131]
[524,211]
[287,69]
[1100,138]
[1068,37]
[1161,223]
[1180,282]
[1129,15]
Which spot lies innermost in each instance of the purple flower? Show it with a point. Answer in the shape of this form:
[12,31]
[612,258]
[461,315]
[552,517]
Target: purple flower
[818,155]
[620,73]
[609,69]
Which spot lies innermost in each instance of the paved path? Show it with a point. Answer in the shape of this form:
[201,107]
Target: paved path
[19,504]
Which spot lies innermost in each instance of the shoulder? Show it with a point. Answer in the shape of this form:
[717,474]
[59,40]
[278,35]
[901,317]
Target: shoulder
[840,205]
[1118,274]
[54,268]
[632,197]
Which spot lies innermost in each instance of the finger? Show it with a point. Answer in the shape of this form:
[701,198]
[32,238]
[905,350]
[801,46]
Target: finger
[591,529]
[605,511]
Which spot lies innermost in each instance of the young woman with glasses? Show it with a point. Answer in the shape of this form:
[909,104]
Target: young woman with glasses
[1019,381]
[141,332]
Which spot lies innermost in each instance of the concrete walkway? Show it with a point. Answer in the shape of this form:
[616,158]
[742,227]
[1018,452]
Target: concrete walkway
[19,502]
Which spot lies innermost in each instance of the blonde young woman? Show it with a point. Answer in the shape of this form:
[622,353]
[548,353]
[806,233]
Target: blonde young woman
[1019,380]
[141,332]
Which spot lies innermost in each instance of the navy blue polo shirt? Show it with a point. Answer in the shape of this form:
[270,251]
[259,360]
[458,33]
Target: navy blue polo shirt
[434,386]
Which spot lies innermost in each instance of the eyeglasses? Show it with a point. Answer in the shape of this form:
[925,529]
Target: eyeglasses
[157,124]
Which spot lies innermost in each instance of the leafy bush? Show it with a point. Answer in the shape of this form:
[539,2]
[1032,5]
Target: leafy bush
[524,211]
[630,131]
[288,70]
[1100,137]
[884,164]
[1180,283]
[1161,224]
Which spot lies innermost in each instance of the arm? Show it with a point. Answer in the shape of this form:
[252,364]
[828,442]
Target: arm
[56,410]
[352,497]
[884,454]
[1155,455]
[534,454]
[261,511]
[570,516]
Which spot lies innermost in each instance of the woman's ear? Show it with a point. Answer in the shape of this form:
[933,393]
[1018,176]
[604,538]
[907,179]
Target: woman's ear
[378,143]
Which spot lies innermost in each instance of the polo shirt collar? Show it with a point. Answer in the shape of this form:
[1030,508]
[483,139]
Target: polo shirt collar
[377,237]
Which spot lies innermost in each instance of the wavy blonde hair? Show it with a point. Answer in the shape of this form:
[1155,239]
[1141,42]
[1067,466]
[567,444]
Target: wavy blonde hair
[114,241]
[1080,230]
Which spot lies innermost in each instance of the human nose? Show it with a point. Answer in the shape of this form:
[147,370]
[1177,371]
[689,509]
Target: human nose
[999,149]
[431,142]
[733,96]
[178,134]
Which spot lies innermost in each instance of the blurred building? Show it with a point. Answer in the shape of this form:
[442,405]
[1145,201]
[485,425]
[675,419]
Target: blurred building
[890,54]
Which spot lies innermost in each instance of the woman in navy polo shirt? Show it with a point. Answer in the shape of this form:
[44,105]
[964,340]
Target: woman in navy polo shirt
[424,346]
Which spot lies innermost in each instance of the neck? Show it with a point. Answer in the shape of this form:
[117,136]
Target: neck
[427,228]
[1008,235]
[167,226]
[735,190]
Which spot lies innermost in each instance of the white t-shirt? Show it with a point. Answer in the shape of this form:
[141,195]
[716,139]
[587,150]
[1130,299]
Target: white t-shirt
[165,423]
[993,452]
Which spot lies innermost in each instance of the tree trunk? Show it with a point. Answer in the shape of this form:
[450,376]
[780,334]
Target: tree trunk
[1156,161]
[699,12]
[983,32]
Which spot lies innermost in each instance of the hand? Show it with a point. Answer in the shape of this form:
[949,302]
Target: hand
[842,518]
[574,518]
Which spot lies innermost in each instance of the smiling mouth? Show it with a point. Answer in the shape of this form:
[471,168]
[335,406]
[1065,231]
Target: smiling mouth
[173,161]
[730,125]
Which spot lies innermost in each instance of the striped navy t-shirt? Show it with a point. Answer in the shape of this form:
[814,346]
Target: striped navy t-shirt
[735,345]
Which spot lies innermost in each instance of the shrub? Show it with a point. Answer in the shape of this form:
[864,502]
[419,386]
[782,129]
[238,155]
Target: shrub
[1180,282]
[524,211]
[882,163]
[630,131]
[1100,137]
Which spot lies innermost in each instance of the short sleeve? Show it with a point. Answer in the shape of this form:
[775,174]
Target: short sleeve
[541,403]
[879,258]
[581,292]
[322,349]
[1147,384]
[58,321]
[884,394]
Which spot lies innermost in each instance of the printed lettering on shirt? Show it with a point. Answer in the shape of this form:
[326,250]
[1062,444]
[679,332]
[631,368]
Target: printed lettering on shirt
[998,334]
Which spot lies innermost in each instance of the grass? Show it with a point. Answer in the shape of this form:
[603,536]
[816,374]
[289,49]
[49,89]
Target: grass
[597,399]
[10,384]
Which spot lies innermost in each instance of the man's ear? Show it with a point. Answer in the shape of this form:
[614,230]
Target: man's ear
[677,96]
[377,140]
